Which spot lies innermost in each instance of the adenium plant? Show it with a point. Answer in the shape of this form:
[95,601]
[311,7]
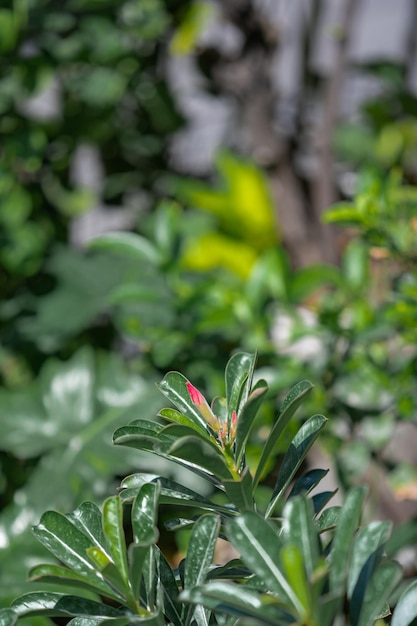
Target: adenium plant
[299,562]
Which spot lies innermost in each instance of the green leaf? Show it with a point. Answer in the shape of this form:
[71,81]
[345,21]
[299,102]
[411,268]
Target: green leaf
[406,610]
[329,518]
[137,557]
[293,567]
[290,404]
[144,514]
[60,605]
[170,591]
[239,369]
[175,416]
[174,387]
[308,481]
[378,591]
[201,549]
[68,544]
[239,491]
[65,577]
[307,280]
[246,418]
[128,244]
[199,559]
[295,455]
[349,518]
[7,617]
[199,454]
[238,600]
[115,537]
[260,546]
[299,530]
[88,519]
[367,541]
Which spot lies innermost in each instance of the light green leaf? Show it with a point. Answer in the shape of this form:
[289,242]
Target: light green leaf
[128,244]
[299,529]
[239,370]
[174,387]
[7,617]
[406,610]
[175,416]
[65,577]
[293,567]
[115,537]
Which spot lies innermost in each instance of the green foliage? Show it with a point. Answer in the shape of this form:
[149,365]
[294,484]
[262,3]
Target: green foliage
[289,569]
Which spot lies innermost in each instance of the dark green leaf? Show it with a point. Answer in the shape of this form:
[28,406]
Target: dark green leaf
[260,546]
[378,591]
[60,605]
[348,522]
[290,404]
[170,591]
[198,453]
[367,541]
[175,416]
[329,518]
[308,481]
[239,491]
[69,545]
[239,601]
[246,418]
[295,455]
[65,577]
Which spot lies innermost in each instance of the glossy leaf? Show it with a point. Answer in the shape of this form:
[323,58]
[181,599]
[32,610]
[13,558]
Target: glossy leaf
[367,541]
[260,545]
[199,559]
[295,455]
[239,369]
[174,387]
[198,453]
[308,481]
[88,519]
[290,404]
[299,530]
[175,416]
[137,557]
[65,577]
[239,491]
[378,591]
[7,617]
[115,537]
[329,518]
[293,567]
[406,610]
[170,591]
[240,601]
[348,521]
[68,544]
[60,605]
[144,514]
[246,418]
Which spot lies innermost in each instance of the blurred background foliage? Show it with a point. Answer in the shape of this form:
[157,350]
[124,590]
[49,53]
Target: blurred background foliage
[92,116]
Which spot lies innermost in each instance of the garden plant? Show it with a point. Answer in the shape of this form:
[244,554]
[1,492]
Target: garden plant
[298,560]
